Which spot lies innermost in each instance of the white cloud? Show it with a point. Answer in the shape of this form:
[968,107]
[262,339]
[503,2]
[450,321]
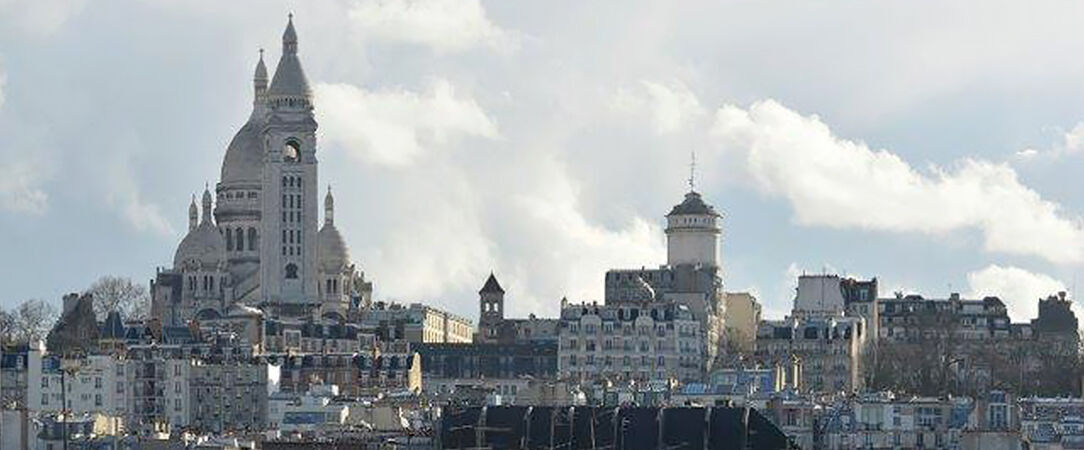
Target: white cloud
[1018,288]
[1069,142]
[830,181]
[394,127]
[19,191]
[123,193]
[443,25]
[672,107]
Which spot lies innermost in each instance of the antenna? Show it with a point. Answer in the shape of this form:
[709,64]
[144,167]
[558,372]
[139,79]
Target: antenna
[692,170]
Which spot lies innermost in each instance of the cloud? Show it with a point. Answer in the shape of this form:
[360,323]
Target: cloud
[395,127]
[1018,288]
[835,182]
[124,196]
[19,191]
[1069,142]
[672,107]
[446,26]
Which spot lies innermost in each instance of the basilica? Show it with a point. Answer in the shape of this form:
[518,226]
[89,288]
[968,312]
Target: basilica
[256,240]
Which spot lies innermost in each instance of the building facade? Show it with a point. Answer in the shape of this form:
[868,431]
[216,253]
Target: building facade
[416,323]
[692,275]
[649,341]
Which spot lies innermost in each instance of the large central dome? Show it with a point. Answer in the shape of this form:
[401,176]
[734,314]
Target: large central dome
[244,157]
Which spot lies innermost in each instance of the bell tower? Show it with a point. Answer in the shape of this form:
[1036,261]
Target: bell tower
[288,250]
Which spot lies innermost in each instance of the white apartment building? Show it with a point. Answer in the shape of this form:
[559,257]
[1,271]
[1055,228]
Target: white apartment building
[649,341]
[94,383]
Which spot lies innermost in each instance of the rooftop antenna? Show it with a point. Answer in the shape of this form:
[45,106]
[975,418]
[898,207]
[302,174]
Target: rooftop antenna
[692,171]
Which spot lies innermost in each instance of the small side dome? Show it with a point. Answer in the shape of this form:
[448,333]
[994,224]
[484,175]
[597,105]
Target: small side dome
[331,249]
[204,246]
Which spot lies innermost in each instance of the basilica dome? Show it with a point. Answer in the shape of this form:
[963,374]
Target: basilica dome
[244,157]
[332,251]
[203,245]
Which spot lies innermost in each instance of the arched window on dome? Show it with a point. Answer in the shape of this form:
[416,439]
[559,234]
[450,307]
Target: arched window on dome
[240,239]
[251,238]
[291,152]
[229,239]
[291,271]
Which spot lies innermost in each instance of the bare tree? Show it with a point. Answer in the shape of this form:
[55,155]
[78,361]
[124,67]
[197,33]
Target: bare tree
[7,327]
[33,319]
[112,293]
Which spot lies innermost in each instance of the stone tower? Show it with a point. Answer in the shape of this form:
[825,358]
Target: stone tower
[692,233]
[288,248]
[491,303]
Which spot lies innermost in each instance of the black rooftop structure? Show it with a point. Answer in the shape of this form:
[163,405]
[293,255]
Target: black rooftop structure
[588,427]
[693,204]
[491,285]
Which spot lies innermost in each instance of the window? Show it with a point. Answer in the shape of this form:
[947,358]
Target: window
[45,399]
[229,239]
[44,382]
[291,271]
[291,152]
[240,239]
[251,238]
[97,399]
[97,382]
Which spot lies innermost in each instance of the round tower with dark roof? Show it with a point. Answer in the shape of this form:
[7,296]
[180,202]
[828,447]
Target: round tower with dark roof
[692,233]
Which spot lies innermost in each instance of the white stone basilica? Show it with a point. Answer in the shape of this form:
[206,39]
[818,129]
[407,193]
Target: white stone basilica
[260,243]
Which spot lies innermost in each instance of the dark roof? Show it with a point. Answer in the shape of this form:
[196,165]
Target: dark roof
[113,327]
[491,285]
[693,204]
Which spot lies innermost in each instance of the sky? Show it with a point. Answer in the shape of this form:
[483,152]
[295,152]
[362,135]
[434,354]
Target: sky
[935,146]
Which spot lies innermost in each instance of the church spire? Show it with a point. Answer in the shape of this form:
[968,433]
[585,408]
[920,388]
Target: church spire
[289,37]
[289,82]
[329,208]
[259,80]
[207,204]
[193,214]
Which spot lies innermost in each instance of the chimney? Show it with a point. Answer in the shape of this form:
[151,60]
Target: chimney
[70,301]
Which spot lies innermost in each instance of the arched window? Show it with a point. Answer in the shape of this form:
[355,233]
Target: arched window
[285,181]
[291,152]
[229,239]
[291,271]
[251,238]
[240,239]
[328,290]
